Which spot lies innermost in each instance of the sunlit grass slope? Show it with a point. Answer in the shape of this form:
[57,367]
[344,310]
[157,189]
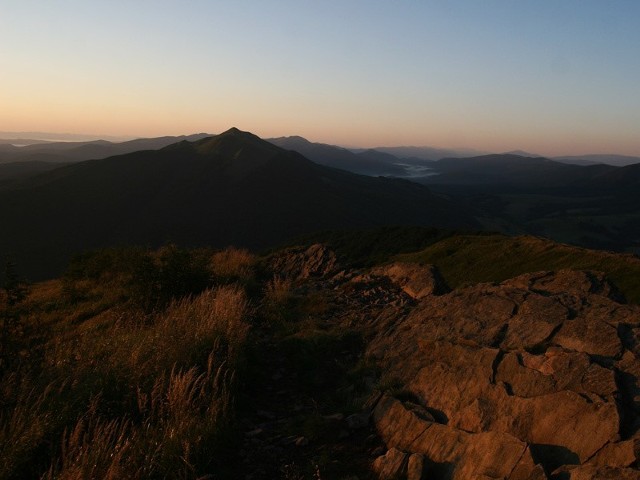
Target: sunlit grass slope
[470,259]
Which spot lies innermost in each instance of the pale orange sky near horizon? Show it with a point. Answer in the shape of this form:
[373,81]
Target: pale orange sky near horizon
[548,79]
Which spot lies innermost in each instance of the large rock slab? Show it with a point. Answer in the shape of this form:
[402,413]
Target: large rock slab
[537,373]
[461,383]
[453,453]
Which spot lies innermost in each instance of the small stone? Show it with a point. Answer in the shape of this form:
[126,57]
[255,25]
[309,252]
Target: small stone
[302,442]
[254,433]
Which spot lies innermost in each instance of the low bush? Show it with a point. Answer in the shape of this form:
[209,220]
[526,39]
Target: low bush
[167,274]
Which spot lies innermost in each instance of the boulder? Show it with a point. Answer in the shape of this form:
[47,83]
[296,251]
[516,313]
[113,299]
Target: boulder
[417,281]
[392,465]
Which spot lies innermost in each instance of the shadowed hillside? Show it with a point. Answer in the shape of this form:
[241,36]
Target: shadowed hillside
[232,189]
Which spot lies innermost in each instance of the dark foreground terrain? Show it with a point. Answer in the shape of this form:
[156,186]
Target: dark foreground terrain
[473,357]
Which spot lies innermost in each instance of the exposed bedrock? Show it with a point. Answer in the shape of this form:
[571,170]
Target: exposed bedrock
[533,378]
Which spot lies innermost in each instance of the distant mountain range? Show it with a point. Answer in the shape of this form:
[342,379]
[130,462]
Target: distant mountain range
[41,137]
[231,189]
[402,162]
[193,190]
[365,162]
[66,152]
[429,153]
[608,159]
[584,160]
[514,170]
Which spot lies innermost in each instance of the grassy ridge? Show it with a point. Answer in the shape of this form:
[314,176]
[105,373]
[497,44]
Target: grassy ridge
[470,259]
[366,247]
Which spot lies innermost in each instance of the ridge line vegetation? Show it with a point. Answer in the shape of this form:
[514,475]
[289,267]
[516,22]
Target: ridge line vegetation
[130,365]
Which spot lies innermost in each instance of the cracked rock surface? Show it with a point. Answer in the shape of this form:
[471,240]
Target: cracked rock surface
[533,378]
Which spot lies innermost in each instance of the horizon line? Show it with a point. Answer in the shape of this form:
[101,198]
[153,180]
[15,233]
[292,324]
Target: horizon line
[52,137]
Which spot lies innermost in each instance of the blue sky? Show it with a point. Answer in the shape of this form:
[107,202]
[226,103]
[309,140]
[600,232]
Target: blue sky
[552,77]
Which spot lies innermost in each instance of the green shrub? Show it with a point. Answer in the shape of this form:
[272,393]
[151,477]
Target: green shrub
[168,274]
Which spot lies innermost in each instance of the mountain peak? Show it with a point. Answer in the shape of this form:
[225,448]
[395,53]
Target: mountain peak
[236,132]
[234,143]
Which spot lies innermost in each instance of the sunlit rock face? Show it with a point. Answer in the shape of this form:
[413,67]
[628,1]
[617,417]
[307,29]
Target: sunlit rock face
[536,377]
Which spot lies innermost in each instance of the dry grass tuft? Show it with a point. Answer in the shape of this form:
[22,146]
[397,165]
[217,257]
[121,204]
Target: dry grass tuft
[277,298]
[233,264]
[278,290]
[94,448]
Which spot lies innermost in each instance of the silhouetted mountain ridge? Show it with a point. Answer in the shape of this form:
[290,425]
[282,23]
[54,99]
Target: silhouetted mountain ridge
[66,152]
[367,162]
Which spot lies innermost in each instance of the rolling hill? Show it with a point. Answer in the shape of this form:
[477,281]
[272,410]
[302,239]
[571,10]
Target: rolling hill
[513,170]
[590,159]
[366,162]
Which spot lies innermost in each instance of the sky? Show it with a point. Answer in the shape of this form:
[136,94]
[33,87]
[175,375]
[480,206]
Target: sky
[552,77]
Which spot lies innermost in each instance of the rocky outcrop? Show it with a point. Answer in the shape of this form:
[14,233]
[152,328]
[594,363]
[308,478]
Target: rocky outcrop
[297,263]
[537,377]
[417,281]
